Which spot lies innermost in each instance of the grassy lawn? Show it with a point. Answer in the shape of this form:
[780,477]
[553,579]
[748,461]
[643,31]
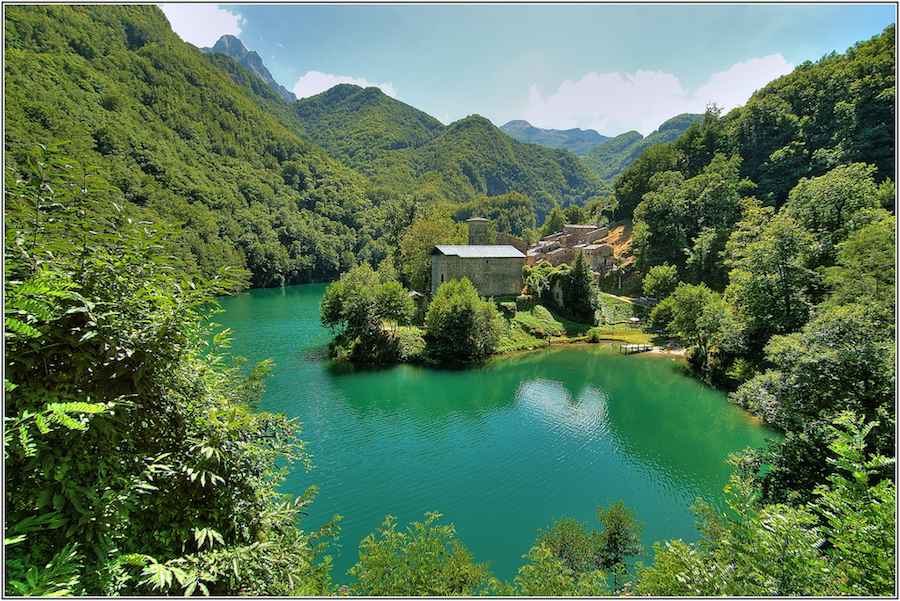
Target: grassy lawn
[621,333]
[539,327]
[614,309]
[540,322]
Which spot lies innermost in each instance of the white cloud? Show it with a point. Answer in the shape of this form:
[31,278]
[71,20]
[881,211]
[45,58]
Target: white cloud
[202,24]
[316,82]
[613,103]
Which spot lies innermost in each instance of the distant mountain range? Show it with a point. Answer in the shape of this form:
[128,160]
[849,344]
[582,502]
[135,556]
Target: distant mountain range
[609,159]
[397,144]
[401,147]
[234,48]
[574,140]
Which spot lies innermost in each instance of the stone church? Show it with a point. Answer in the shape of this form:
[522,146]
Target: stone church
[494,269]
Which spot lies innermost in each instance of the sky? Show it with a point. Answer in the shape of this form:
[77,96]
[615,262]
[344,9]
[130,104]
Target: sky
[612,68]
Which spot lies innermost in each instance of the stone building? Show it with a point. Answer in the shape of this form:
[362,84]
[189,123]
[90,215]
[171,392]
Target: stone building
[494,269]
[563,247]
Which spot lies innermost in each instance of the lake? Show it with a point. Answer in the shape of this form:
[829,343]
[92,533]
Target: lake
[502,450]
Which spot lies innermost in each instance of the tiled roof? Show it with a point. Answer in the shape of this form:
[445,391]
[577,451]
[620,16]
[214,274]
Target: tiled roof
[484,251]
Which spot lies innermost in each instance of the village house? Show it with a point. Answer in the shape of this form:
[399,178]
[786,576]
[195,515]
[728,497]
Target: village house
[494,269]
[563,247]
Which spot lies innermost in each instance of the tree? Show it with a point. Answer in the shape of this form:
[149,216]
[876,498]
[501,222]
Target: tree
[461,326]
[136,463]
[570,542]
[427,559]
[827,206]
[635,181]
[581,299]
[575,214]
[619,540]
[601,208]
[584,554]
[554,222]
[660,281]
[841,360]
[865,268]
[771,283]
[545,575]
[418,241]
[511,213]
[758,549]
[360,303]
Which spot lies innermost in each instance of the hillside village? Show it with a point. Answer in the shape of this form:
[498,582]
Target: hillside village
[496,269]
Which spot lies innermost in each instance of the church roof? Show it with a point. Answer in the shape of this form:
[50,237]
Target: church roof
[483,251]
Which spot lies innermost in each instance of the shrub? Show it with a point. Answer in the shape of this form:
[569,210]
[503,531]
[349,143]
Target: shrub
[135,463]
[427,559]
[359,304]
[508,309]
[461,326]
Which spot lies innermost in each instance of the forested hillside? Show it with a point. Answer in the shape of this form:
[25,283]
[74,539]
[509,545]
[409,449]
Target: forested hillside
[406,150]
[837,110]
[362,125]
[576,140]
[610,158]
[179,139]
[772,230]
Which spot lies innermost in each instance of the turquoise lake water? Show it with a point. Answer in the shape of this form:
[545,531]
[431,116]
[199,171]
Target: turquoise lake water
[502,450]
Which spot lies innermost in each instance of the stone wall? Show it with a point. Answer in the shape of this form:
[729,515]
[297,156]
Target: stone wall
[491,276]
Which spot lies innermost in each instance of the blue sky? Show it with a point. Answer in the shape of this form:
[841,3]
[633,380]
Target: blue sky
[608,67]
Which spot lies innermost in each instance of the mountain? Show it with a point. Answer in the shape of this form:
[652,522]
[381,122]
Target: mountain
[181,141]
[574,140]
[403,148]
[609,159]
[472,157]
[234,48]
[836,111]
[359,125]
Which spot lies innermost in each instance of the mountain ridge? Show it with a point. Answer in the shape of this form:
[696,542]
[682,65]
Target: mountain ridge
[612,157]
[397,144]
[576,140]
[232,46]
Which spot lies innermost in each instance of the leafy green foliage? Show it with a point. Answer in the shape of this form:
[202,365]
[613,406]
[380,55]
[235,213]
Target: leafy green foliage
[660,281]
[781,550]
[842,360]
[134,460]
[865,268]
[581,296]
[686,222]
[830,206]
[361,304]
[568,290]
[427,559]
[461,327]
[554,222]
[183,142]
